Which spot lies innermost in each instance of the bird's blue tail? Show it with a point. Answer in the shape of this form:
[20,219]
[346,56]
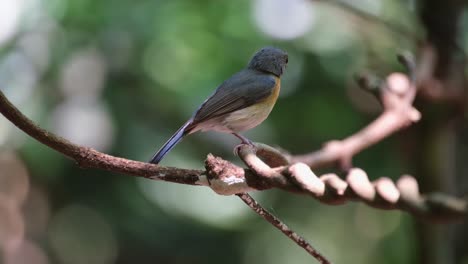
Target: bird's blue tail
[170,143]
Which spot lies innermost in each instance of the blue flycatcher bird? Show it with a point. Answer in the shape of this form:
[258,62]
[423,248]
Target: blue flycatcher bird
[240,103]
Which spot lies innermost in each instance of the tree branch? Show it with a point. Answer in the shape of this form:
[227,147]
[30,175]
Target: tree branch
[300,241]
[90,158]
[331,189]
[396,94]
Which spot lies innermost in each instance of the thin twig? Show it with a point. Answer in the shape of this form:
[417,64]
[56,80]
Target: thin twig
[300,241]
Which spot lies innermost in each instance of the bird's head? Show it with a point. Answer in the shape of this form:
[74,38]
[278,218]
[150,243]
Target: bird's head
[270,60]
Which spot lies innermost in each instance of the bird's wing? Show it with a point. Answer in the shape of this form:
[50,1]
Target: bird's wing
[240,91]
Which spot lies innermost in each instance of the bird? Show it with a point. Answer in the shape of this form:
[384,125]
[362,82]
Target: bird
[240,103]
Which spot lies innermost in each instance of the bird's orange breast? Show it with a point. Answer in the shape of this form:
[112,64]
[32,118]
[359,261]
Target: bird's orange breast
[271,99]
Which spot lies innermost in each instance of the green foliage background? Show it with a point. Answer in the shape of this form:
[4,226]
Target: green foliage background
[158,60]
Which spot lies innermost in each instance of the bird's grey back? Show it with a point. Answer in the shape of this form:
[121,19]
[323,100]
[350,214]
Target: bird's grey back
[243,89]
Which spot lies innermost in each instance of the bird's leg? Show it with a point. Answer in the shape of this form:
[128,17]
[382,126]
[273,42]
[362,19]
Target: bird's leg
[243,139]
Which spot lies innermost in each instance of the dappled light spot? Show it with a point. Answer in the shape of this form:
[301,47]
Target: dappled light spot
[84,74]
[169,65]
[18,80]
[10,14]
[14,178]
[284,19]
[36,46]
[332,32]
[84,122]
[11,225]
[336,42]
[79,234]
[18,76]
[27,253]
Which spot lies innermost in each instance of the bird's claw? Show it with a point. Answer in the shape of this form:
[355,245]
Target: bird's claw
[238,147]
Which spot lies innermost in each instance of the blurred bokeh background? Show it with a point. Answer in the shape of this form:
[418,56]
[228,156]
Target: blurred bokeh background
[122,76]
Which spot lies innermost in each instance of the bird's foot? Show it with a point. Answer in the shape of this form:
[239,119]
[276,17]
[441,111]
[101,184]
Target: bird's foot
[244,141]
